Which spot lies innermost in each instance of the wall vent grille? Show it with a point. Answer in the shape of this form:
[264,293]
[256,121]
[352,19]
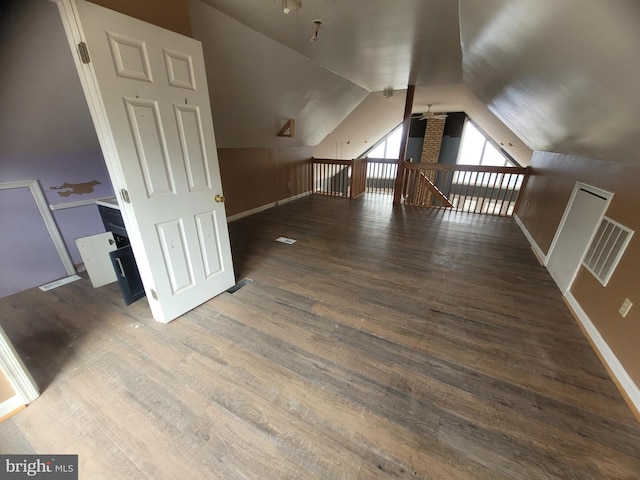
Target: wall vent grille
[606,249]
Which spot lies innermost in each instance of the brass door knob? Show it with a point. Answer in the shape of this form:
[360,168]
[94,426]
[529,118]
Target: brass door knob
[219,198]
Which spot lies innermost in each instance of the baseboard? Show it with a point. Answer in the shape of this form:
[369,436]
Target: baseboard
[537,251]
[10,406]
[621,378]
[262,208]
[294,197]
[253,211]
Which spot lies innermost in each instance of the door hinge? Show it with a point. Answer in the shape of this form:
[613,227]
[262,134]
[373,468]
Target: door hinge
[154,294]
[125,195]
[84,52]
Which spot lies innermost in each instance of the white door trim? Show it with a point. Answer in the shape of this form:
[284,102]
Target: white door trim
[52,228]
[72,28]
[17,374]
[606,195]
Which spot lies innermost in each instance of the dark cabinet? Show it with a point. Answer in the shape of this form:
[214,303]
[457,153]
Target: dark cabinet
[124,263]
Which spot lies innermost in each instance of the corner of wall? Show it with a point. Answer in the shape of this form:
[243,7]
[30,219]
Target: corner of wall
[537,251]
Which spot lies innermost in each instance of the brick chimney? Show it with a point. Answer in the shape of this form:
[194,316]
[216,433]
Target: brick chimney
[432,140]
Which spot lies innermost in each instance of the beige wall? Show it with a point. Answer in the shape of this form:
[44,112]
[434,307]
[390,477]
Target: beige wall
[254,177]
[376,116]
[170,14]
[6,390]
[543,204]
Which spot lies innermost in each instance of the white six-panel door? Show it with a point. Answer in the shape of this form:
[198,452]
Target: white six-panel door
[580,221]
[147,92]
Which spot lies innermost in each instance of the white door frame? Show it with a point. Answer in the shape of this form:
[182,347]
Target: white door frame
[19,378]
[50,223]
[606,195]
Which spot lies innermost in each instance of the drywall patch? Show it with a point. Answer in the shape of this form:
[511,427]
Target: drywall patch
[76,188]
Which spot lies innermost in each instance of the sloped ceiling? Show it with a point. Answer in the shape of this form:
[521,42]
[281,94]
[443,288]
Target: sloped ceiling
[256,84]
[562,75]
[373,43]
[263,69]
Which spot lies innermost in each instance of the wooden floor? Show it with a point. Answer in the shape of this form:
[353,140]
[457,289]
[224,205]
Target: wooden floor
[385,343]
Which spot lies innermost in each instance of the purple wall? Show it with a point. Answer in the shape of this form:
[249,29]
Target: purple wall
[47,133]
[54,170]
[28,256]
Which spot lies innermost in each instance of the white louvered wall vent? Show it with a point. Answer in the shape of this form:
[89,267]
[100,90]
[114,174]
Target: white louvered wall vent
[606,249]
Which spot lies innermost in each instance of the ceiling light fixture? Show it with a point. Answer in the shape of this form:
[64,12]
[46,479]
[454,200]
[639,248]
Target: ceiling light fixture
[287,5]
[388,92]
[317,22]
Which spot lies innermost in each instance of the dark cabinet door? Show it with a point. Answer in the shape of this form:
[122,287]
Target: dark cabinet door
[127,274]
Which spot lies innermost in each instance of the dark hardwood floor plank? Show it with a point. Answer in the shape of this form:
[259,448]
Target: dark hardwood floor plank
[385,343]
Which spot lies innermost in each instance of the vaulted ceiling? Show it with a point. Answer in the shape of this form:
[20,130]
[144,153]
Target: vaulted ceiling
[561,75]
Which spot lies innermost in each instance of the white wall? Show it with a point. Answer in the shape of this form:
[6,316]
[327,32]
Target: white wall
[376,116]
[256,84]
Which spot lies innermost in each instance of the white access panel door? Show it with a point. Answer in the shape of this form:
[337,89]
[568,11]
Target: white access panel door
[147,93]
[582,216]
[94,251]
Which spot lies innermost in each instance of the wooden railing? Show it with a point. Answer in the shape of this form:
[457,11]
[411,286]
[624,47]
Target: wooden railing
[488,190]
[381,175]
[352,178]
[339,178]
[358,177]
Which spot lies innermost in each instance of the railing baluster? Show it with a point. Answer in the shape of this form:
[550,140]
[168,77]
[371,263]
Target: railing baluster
[490,190]
[505,200]
[324,184]
[376,178]
[476,191]
[453,193]
[502,193]
[512,190]
[482,192]
[324,178]
[464,188]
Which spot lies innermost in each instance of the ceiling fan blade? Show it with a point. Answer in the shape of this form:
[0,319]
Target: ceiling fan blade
[428,115]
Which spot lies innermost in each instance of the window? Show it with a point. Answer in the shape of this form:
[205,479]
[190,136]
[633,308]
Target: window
[389,147]
[476,149]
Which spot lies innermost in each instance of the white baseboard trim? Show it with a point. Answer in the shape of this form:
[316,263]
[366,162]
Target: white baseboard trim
[537,251]
[262,208]
[294,197]
[247,213]
[10,405]
[606,354]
